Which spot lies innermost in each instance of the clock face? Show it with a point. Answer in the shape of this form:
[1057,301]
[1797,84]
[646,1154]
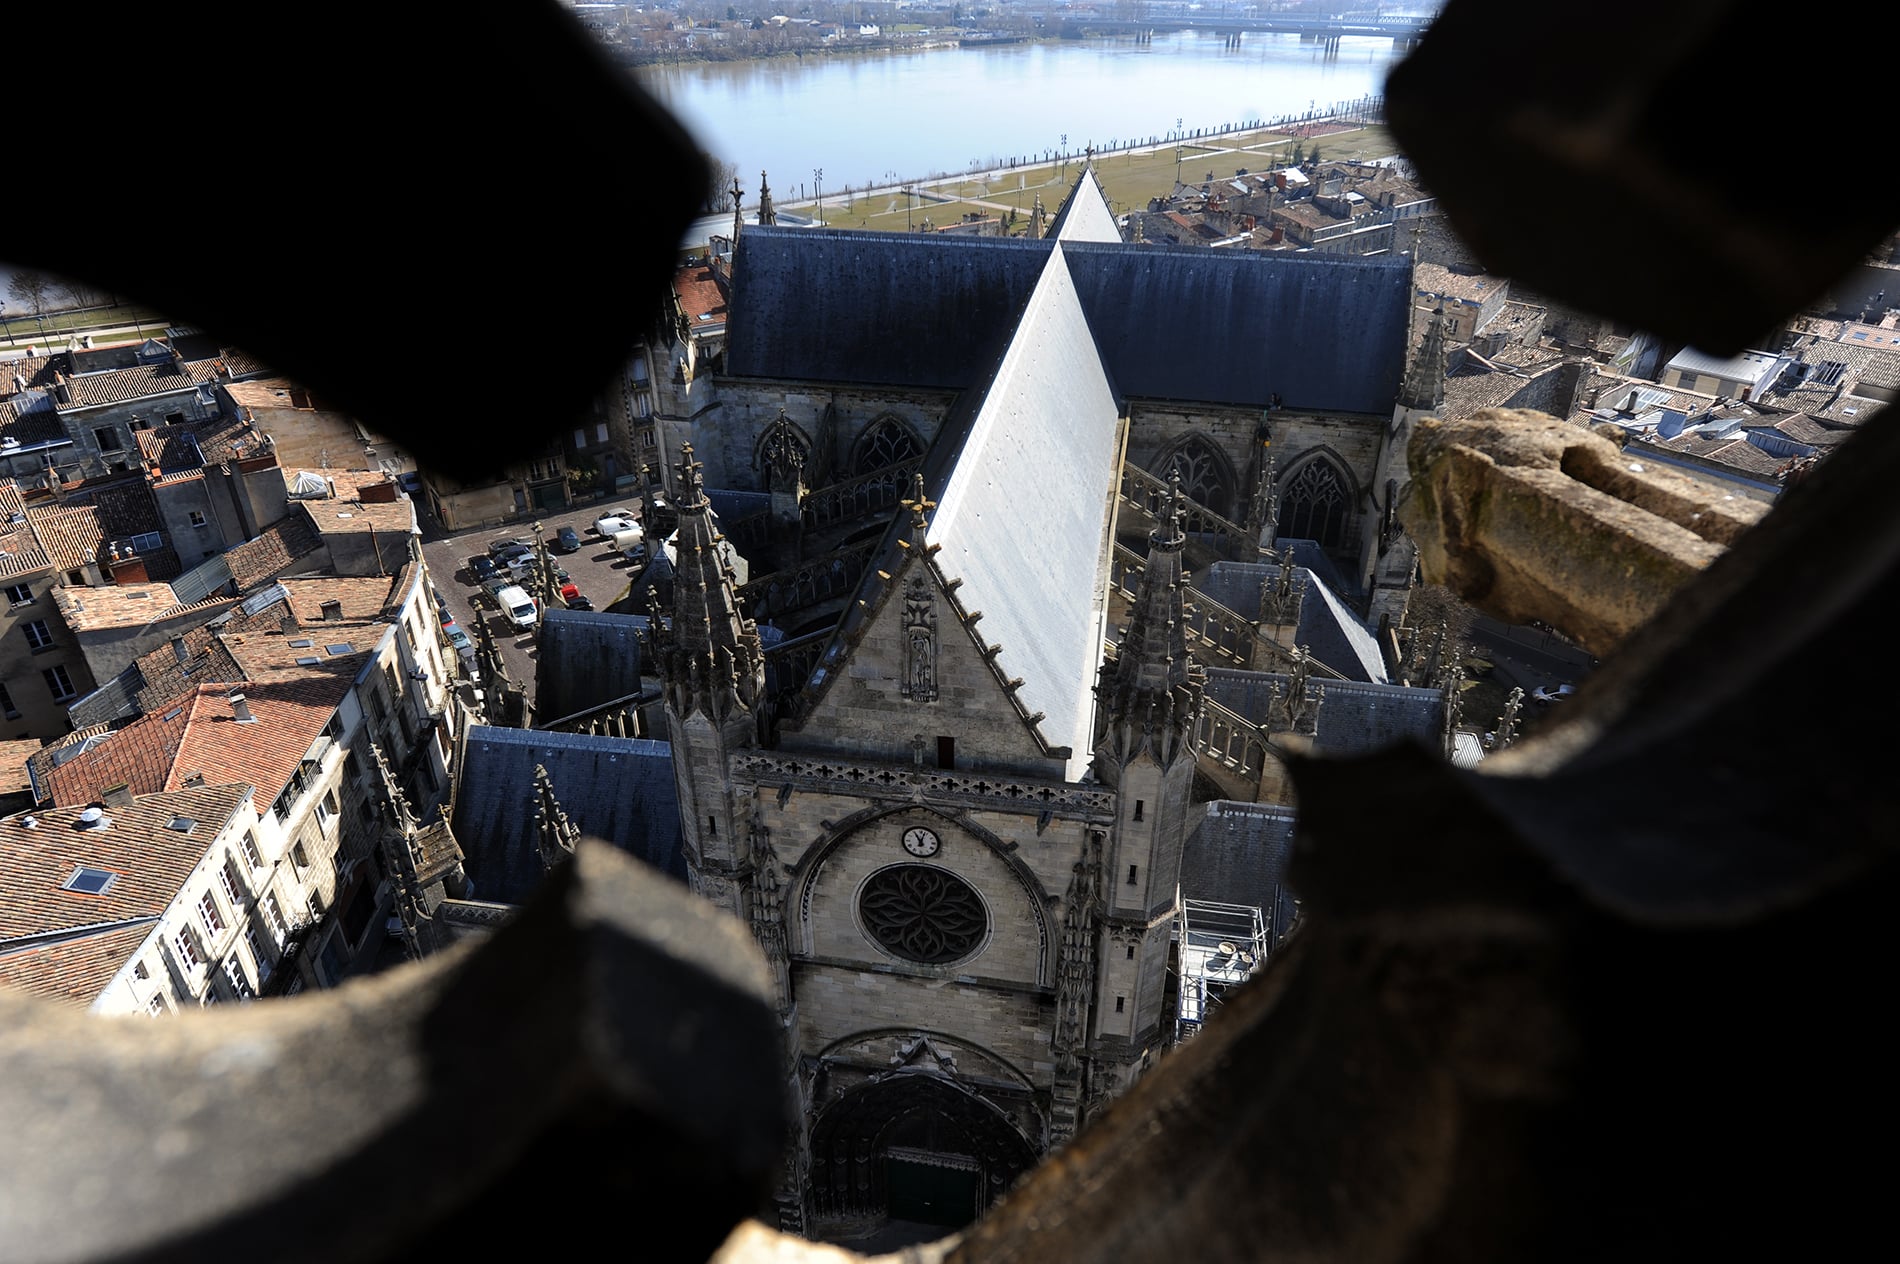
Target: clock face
[919,841]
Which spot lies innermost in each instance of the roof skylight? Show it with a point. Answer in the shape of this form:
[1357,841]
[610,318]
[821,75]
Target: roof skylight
[89,881]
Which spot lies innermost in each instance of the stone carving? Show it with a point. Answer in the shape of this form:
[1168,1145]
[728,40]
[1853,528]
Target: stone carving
[923,913]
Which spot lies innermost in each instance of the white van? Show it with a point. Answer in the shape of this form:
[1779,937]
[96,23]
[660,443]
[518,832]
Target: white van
[517,605]
[626,542]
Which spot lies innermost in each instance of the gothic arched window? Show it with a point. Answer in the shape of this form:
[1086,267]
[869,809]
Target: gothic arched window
[1314,504]
[1206,476]
[887,442]
[922,913]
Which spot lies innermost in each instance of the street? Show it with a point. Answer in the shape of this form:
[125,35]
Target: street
[597,569]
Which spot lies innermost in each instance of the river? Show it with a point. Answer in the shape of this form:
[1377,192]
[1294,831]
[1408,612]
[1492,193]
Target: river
[892,116]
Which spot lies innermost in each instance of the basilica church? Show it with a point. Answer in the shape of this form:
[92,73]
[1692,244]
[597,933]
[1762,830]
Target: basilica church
[1052,545]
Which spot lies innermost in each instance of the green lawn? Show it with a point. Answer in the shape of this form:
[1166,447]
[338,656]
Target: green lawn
[1129,179]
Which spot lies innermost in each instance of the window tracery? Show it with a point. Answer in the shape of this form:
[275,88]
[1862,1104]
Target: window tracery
[923,913]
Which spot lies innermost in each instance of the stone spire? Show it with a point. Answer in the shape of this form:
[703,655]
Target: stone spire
[1037,220]
[401,859]
[557,834]
[1425,380]
[710,659]
[1153,689]
[1507,723]
[766,214]
[738,209]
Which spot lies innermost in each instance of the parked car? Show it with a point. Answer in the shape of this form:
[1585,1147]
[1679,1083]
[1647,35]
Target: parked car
[519,564]
[494,585]
[571,595]
[509,545]
[613,524]
[521,609]
[1552,693]
[481,568]
[568,539]
[410,481]
[459,639]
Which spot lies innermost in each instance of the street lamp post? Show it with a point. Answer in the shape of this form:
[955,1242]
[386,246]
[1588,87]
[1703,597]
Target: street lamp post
[1177,150]
[909,201]
[5,323]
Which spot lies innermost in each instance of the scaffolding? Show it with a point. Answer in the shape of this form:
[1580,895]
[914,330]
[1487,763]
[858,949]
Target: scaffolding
[1221,945]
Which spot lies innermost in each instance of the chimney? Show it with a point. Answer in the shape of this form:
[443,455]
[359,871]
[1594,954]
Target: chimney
[180,650]
[119,796]
[241,709]
[377,493]
[127,566]
[289,624]
[194,781]
[332,611]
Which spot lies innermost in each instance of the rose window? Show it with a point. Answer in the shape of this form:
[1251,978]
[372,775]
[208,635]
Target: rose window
[923,913]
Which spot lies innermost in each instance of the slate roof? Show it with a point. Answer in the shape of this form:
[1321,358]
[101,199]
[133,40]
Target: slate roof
[24,420]
[586,658]
[1355,718]
[1238,854]
[1236,327]
[74,971]
[1328,630]
[899,309]
[617,789]
[151,861]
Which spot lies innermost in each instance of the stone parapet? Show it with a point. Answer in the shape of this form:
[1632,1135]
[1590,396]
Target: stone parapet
[1535,519]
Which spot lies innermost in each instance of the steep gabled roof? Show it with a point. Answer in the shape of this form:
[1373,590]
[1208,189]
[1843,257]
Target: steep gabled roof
[1355,718]
[1237,327]
[1328,630]
[617,789]
[899,309]
[585,658]
[1024,518]
[1219,327]
[1085,216]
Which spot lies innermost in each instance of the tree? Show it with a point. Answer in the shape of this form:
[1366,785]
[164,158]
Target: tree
[32,287]
[1315,155]
[719,192]
[78,293]
[1299,152]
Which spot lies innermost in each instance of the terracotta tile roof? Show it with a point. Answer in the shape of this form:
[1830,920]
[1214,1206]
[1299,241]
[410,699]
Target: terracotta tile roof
[36,371]
[362,597]
[291,712]
[258,560]
[118,386]
[13,757]
[139,755]
[702,296]
[126,605]
[341,517]
[206,661]
[151,861]
[1734,451]
[75,971]
[20,552]
[1434,278]
[70,535]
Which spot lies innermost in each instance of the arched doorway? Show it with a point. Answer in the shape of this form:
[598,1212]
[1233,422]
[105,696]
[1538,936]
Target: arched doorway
[913,1146]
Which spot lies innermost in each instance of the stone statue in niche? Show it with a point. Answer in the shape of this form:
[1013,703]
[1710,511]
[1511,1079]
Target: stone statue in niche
[920,642]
